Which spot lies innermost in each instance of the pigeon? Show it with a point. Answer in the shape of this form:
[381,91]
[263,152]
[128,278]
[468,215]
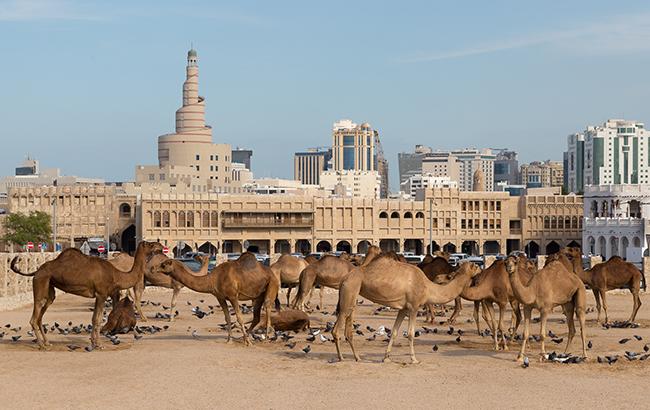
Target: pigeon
[450,331]
[435,348]
[323,338]
[189,303]
[590,345]
[291,345]
[89,348]
[307,349]
[458,339]
[195,334]
[637,337]
[611,359]
[646,348]
[15,338]
[557,341]
[526,362]
[623,341]
[201,301]
[8,325]
[329,326]
[600,360]
[370,329]
[371,338]
[311,338]
[644,357]
[359,332]
[417,333]
[72,348]
[460,332]
[551,335]
[137,336]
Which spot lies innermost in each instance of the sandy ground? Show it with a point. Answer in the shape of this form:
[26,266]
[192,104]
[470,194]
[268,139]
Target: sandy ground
[172,369]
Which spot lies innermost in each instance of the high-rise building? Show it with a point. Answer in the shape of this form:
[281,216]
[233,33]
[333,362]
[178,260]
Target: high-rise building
[358,148]
[506,167]
[442,164]
[308,165]
[575,163]
[191,145]
[242,156]
[410,163]
[542,174]
[460,166]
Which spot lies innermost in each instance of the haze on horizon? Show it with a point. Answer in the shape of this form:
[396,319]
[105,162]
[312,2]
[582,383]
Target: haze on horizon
[88,87]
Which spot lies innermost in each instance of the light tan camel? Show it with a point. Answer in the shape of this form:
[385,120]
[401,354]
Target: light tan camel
[153,278]
[613,274]
[397,285]
[232,281]
[288,320]
[287,269]
[552,286]
[440,271]
[87,276]
[491,286]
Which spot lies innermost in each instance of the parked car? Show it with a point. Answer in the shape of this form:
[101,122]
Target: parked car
[317,255]
[412,257]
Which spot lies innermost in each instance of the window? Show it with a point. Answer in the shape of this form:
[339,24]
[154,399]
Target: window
[198,168]
[198,157]
[419,215]
[408,215]
[162,177]
[152,177]
[448,223]
[394,215]
[383,215]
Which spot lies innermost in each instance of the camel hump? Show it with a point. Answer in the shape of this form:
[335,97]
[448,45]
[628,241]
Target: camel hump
[247,261]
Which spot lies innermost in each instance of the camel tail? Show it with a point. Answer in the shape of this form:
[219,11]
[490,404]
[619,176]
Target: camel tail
[277,304]
[645,283]
[14,268]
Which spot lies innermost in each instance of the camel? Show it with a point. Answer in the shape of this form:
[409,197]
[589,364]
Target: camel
[491,286]
[232,281]
[397,285]
[121,319]
[124,262]
[613,274]
[288,320]
[287,269]
[439,271]
[87,276]
[552,286]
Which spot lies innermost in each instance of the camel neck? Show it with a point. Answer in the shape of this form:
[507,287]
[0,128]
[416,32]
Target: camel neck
[523,293]
[446,293]
[198,283]
[125,280]
[478,292]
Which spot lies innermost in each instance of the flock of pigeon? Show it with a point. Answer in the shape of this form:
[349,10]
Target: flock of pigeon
[320,335]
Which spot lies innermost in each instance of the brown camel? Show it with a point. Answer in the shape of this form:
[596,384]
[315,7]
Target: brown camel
[395,284]
[613,274]
[288,320]
[491,286]
[552,286]
[232,281]
[121,319]
[87,276]
[153,278]
[287,269]
[440,271]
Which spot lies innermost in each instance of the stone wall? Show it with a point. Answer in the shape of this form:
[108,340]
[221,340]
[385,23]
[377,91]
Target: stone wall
[16,290]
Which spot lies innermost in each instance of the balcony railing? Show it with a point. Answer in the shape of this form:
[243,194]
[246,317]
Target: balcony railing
[267,220]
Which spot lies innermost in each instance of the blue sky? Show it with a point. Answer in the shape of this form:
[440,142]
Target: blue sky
[88,86]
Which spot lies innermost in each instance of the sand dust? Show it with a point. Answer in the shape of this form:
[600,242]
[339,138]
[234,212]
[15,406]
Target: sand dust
[173,369]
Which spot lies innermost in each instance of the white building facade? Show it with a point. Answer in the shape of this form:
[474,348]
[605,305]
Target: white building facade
[615,222]
[357,184]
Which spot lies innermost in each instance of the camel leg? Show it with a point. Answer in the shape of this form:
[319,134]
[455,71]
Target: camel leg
[172,306]
[597,297]
[542,329]
[637,301]
[580,303]
[307,282]
[226,313]
[40,302]
[458,307]
[240,320]
[487,316]
[97,320]
[517,315]
[320,294]
[569,310]
[137,301]
[257,313]
[476,319]
[411,334]
[527,314]
[393,335]
[289,294]
[495,335]
[502,309]
[349,333]
[604,298]
[341,319]
[50,299]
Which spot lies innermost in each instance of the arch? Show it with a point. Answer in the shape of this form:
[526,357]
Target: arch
[383,215]
[208,248]
[303,246]
[128,239]
[178,252]
[591,244]
[174,219]
[414,246]
[547,222]
[491,247]
[613,246]
[419,215]
[574,244]
[553,222]
[567,222]
[205,220]
[469,247]
[190,219]
[165,219]
[362,247]
[231,246]
[552,247]
[323,246]
[433,245]
[560,222]
[157,220]
[125,210]
[574,222]
[388,245]
[344,246]
[602,247]
[408,215]
[593,209]
[181,219]
[634,209]
[604,209]
[449,248]
[532,249]
[394,215]
[625,243]
[636,242]
[213,219]
[282,246]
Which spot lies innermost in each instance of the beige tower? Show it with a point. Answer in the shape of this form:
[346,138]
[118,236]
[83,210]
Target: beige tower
[478,181]
[191,145]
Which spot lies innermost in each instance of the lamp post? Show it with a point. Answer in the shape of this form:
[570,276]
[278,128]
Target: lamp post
[430,226]
[54,224]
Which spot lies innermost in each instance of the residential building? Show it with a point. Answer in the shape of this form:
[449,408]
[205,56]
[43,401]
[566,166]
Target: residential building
[29,173]
[414,183]
[308,165]
[575,163]
[242,156]
[542,174]
[351,183]
[441,164]
[461,165]
[410,163]
[506,167]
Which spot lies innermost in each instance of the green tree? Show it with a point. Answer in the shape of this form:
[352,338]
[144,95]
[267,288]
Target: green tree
[22,228]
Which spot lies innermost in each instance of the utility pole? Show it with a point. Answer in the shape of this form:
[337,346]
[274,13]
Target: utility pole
[430,226]
[54,224]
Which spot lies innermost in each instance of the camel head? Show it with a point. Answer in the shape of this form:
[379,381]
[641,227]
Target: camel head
[468,268]
[442,254]
[202,259]
[150,249]
[511,265]
[166,267]
[572,252]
